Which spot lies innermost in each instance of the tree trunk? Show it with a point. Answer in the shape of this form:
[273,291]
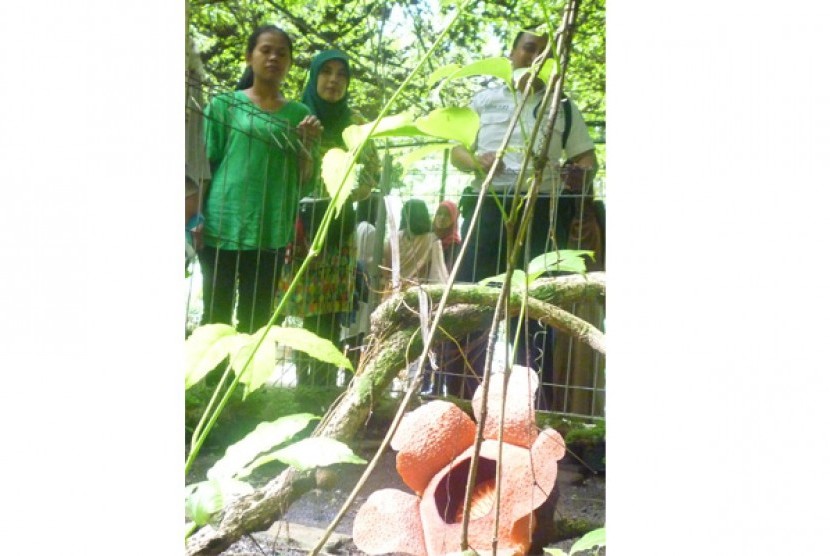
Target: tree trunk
[395,340]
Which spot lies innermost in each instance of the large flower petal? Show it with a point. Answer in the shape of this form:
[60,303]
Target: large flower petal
[519,417]
[523,489]
[428,439]
[389,522]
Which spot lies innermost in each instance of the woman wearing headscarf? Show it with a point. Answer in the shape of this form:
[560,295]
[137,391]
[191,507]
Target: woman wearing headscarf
[326,288]
[445,226]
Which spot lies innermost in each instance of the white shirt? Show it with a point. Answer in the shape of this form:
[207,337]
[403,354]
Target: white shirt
[495,107]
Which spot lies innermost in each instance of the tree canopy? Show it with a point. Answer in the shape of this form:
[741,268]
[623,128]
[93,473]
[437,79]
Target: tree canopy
[385,39]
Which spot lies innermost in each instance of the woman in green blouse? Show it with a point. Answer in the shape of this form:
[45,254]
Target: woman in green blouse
[259,145]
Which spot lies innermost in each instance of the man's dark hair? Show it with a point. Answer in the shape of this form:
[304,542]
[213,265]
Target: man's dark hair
[532,29]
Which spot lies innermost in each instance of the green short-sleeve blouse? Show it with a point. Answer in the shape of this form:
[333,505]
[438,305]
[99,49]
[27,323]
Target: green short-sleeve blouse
[255,187]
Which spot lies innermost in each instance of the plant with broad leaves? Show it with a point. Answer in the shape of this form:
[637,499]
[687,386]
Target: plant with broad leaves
[251,357]
[210,344]
[268,442]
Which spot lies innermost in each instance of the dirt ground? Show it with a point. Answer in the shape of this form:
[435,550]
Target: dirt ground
[581,507]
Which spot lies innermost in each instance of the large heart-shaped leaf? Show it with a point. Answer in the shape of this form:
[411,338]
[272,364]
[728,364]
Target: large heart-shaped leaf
[354,135]
[264,437]
[498,67]
[309,453]
[204,349]
[458,124]
[310,343]
[338,163]
[408,130]
[441,73]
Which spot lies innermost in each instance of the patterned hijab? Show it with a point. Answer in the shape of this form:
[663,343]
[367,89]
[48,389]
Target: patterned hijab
[335,116]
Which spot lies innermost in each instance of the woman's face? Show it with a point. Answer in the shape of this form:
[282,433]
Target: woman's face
[332,81]
[443,219]
[271,58]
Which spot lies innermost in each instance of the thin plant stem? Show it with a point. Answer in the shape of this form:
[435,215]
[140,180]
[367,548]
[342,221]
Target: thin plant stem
[412,387]
[555,85]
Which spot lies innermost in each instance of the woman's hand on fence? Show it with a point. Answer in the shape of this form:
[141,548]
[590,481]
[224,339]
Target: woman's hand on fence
[310,129]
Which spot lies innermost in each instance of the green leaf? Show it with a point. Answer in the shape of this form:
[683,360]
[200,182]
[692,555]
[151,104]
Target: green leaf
[309,453]
[408,130]
[441,73]
[498,67]
[589,540]
[554,551]
[459,124]
[204,349]
[336,162]
[262,365]
[547,68]
[204,499]
[517,283]
[354,135]
[310,343]
[569,260]
[264,437]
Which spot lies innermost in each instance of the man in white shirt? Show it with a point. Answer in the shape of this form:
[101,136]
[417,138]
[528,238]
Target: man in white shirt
[495,107]
[487,253]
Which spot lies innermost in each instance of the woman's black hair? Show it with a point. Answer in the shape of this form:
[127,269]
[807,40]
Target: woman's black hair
[415,217]
[252,40]
[247,79]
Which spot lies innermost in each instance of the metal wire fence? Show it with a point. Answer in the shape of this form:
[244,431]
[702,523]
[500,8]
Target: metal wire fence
[336,298]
